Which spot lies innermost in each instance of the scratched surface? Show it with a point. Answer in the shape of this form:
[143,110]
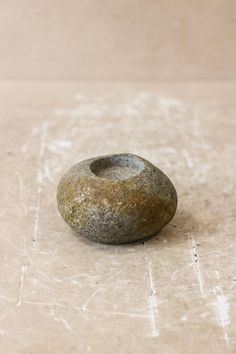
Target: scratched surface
[62,294]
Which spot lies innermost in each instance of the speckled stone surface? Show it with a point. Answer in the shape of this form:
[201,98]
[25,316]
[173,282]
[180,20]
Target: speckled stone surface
[116,199]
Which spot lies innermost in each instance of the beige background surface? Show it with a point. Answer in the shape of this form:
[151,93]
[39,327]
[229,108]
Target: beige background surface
[62,294]
[118,40]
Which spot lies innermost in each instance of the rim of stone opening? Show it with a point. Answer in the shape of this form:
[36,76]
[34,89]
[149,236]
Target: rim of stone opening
[117,167]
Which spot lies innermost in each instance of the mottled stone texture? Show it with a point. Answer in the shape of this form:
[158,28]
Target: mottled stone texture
[116,198]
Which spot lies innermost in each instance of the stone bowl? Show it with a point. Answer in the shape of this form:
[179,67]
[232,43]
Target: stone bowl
[116,199]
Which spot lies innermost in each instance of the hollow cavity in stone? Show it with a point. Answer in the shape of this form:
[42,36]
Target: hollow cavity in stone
[117,167]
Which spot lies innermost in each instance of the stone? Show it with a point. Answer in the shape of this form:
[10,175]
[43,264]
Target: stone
[116,199]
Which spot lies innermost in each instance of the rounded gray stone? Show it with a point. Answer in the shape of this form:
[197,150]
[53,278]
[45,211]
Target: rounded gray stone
[116,198]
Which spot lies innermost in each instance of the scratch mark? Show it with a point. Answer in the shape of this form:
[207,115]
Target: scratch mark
[82,275]
[9,299]
[26,252]
[50,279]
[21,189]
[44,130]
[188,159]
[196,266]
[66,324]
[101,288]
[38,303]
[35,236]
[180,270]
[23,270]
[128,314]
[222,309]
[25,210]
[116,313]
[153,304]
[72,278]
